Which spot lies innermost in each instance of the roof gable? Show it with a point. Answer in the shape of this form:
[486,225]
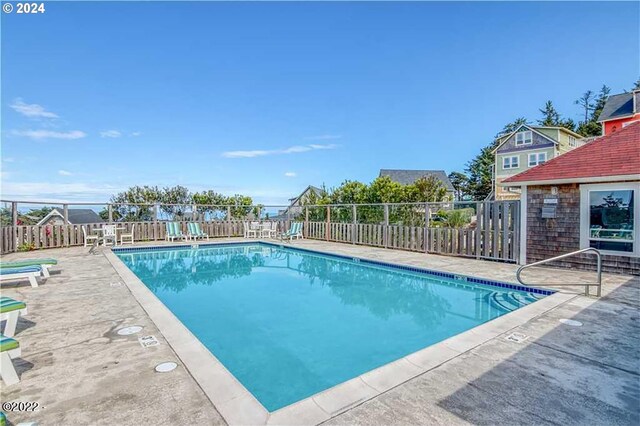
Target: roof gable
[617,106]
[407,177]
[617,154]
[506,138]
[75,216]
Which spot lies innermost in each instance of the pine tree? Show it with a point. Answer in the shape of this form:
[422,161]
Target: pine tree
[550,117]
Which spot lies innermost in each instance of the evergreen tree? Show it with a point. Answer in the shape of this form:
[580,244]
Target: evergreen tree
[460,183]
[586,102]
[550,117]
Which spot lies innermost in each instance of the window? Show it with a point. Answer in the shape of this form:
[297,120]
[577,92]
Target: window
[629,122]
[524,138]
[573,142]
[510,162]
[537,158]
[609,217]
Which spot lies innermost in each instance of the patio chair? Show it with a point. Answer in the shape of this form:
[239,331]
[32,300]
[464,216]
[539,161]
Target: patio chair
[295,231]
[88,238]
[269,229]
[44,263]
[195,232]
[109,234]
[251,229]
[10,310]
[29,272]
[174,231]
[128,236]
[9,349]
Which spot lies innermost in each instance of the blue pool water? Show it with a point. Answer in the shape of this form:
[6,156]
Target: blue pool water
[289,323]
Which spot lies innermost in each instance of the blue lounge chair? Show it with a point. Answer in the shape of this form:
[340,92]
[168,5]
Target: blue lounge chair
[195,232]
[174,231]
[9,349]
[295,231]
[29,272]
[44,263]
[10,310]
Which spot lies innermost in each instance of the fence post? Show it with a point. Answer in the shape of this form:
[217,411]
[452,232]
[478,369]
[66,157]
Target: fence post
[427,217]
[354,231]
[306,222]
[385,233]
[327,232]
[65,213]
[155,212]
[110,213]
[14,213]
[478,230]
[229,224]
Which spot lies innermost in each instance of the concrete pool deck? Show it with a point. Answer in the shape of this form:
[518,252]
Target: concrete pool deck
[81,372]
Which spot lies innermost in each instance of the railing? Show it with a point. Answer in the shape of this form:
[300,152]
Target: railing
[481,230]
[586,286]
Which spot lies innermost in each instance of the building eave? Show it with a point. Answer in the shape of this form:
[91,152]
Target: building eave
[590,179]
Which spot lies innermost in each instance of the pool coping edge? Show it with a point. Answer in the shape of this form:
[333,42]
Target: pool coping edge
[238,406]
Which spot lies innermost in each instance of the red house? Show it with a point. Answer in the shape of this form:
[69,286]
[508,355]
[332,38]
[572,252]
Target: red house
[619,111]
[588,197]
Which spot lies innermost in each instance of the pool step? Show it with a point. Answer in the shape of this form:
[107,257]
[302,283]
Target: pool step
[511,300]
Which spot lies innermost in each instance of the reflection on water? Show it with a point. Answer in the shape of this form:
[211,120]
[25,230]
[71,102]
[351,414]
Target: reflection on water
[289,324]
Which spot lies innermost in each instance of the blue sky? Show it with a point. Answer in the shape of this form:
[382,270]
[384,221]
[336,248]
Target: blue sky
[264,99]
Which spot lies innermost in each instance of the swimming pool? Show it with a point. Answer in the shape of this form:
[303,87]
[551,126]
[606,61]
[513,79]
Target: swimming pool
[289,323]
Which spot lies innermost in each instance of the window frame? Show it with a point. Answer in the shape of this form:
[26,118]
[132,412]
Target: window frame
[536,156]
[585,215]
[511,166]
[524,139]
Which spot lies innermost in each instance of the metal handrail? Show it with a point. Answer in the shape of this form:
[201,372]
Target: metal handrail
[586,286]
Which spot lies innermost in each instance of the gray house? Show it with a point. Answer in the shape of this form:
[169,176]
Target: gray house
[407,177]
[75,216]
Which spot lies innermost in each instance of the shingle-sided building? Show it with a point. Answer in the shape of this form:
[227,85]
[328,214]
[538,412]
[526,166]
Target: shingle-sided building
[75,216]
[588,197]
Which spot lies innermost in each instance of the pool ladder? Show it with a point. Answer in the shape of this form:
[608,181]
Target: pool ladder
[598,284]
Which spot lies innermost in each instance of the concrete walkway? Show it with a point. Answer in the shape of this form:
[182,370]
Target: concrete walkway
[81,372]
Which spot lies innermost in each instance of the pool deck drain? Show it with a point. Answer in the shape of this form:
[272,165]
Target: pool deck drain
[570,375]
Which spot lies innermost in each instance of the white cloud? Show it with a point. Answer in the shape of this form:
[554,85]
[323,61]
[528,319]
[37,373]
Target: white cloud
[58,192]
[290,174]
[9,159]
[50,134]
[134,134]
[323,137]
[31,110]
[291,150]
[110,134]
[64,173]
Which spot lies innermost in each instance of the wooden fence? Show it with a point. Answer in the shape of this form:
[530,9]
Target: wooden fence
[495,235]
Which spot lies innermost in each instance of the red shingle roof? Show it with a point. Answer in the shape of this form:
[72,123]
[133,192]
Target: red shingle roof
[616,154]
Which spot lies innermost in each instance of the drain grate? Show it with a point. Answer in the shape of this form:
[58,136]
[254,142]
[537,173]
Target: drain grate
[148,341]
[166,367]
[126,331]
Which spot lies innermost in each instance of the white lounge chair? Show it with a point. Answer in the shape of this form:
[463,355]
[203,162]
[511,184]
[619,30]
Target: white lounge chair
[128,236]
[195,232]
[44,263]
[29,272]
[9,349]
[88,238]
[10,310]
[174,231]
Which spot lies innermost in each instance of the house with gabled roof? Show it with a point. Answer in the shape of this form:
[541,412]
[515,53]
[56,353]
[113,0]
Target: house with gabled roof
[619,111]
[589,197]
[527,147]
[408,177]
[74,217]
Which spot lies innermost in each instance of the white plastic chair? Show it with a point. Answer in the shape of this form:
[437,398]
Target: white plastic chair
[88,238]
[128,236]
[109,234]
